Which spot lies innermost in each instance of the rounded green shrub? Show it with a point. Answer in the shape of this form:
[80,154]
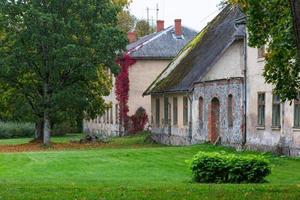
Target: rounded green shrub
[229,168]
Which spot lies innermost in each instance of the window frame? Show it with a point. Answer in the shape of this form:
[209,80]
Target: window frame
[261,105]
[185,112]
[166,110]
[175,111]
[107,115]
[276,107]
[157,112]
[297,104]
[117,113]
[111,119]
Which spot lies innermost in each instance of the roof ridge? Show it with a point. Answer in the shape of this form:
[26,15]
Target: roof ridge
[148,41]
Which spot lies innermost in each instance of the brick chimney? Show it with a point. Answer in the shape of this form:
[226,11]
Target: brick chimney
[160,25]
[178,30]
[131,37]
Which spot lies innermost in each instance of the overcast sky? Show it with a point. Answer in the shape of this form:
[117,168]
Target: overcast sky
[194,13]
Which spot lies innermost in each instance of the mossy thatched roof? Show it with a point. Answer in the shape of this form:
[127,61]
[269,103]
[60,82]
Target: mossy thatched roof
[196,58]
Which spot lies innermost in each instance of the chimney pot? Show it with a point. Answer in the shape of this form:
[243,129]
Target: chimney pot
[131,37]
[160,25]
[178,28]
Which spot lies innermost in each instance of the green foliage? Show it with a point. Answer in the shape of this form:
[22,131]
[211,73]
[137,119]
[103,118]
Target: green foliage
[270,23]
[126,21]
[16,130]
[143,28]
[122,3]
[269,26]
[229,168]
[54,56]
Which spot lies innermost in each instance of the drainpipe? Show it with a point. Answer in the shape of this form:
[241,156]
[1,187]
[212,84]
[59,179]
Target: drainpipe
[190,97]
[245,88]
[282,118]
[244,137]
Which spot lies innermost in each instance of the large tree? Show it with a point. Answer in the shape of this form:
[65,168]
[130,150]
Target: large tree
[143,28]
[270,23]
[126,21]
[54,56]
[295,7]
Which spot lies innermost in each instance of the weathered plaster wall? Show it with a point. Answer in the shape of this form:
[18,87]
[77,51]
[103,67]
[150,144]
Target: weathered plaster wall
[286,138]
[141,75]
[229,65]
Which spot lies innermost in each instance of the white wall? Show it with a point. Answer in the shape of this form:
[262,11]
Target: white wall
[141,75]
[266,136]
[229,65]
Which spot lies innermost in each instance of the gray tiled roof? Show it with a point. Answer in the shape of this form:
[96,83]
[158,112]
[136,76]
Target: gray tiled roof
[195,59]
[161,45]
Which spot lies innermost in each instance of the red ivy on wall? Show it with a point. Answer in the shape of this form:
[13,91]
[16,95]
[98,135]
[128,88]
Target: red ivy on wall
[122,89]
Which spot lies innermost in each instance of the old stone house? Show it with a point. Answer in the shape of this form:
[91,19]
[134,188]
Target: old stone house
[214,91]
[150,55]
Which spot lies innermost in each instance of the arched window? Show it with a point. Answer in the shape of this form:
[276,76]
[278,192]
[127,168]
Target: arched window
[230,110]
[201,109]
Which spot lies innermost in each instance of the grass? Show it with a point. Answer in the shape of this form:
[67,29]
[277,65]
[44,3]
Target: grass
[129,172]
[58,139]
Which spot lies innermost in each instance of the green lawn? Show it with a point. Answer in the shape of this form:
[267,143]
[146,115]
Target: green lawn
[130,172]
[58,139]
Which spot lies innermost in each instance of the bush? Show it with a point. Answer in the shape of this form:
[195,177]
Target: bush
[15,130]
[138,120]
[229,168]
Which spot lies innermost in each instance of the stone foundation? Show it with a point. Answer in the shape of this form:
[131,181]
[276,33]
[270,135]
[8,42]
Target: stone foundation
[276,150]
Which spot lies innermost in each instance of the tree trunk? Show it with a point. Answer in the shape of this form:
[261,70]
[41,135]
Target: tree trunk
[46,128]
[295,6]
[39,130]
[47,124]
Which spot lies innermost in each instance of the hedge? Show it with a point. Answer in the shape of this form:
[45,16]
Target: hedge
[229,168]
[16,130]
